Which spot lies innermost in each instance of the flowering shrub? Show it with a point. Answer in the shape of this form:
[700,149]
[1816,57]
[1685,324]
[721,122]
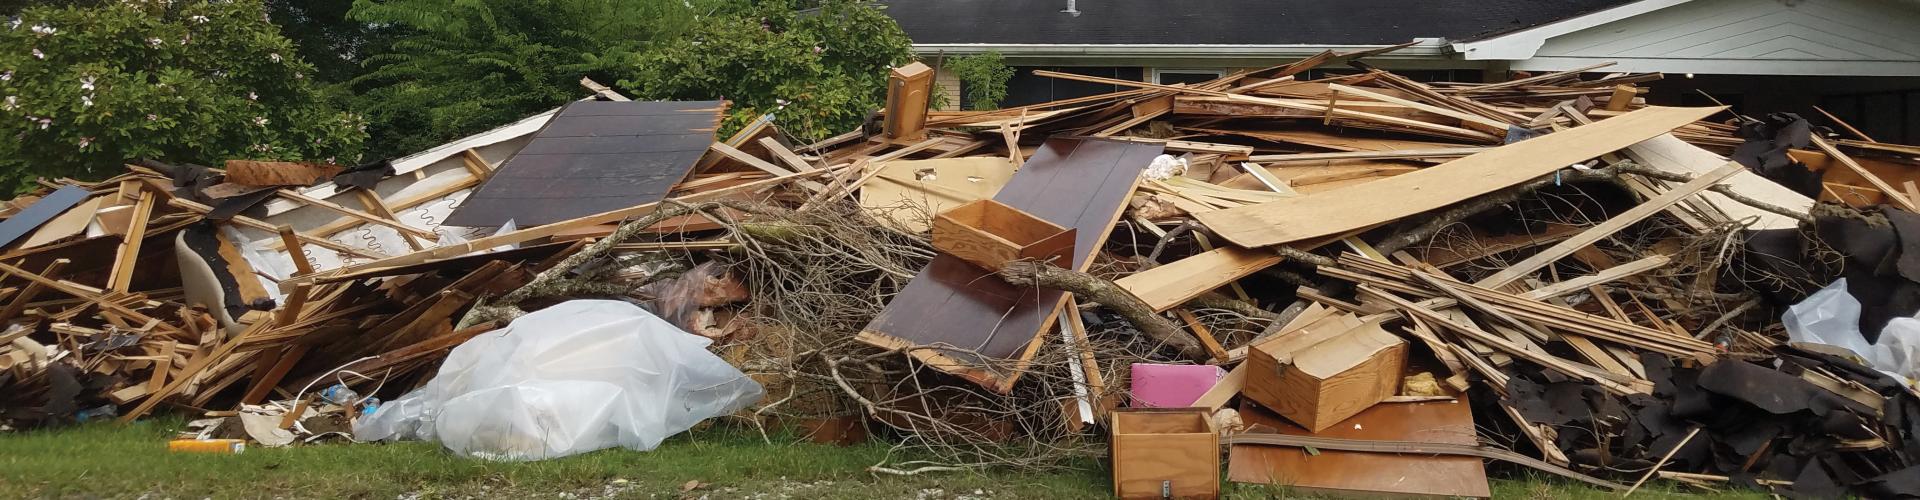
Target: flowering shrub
[87,88]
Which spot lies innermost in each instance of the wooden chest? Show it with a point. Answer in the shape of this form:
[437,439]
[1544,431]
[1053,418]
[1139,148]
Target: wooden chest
[1319,378]
[1165,453]
[989,234]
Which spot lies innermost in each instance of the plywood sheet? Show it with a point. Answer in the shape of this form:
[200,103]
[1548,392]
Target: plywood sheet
[40,212]
[1353,472]
[1076,183]
[909,192]
[1354,207]
[593,157]
[67,225]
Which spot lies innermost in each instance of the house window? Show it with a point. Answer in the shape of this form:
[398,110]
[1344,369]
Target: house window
[1181,75]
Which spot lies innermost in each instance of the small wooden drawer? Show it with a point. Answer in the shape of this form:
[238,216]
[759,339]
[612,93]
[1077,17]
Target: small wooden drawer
[989,234]
[1165,453]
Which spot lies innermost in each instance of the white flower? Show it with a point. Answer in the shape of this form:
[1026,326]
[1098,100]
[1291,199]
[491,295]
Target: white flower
[155,42]
[42,29]
[44,122]
[298,75]
[260,121]
[198,19]
[13,23]
[86,100]
[7,76]
[84,141]
[251,96]
[275,57]
[153,117]
[37,54]
[86,83]
[12,102]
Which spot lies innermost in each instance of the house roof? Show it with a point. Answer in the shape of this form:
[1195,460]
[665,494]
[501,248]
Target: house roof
[1223,22]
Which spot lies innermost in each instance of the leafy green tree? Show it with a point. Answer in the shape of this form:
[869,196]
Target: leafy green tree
[462,66]
[820,70]
[983,77]
[84,88]
[326,37]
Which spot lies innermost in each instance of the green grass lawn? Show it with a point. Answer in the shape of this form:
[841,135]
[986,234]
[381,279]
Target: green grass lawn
[108,460]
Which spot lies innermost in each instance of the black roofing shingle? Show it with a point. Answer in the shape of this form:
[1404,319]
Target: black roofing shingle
[1224,22]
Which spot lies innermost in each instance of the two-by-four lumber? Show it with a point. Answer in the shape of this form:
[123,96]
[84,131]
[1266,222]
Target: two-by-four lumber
[1205,335]
[120,278]
[1481,336]
[1359,206]
[1604,229]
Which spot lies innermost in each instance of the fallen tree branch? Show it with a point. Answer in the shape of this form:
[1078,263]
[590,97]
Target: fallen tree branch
[1089,287]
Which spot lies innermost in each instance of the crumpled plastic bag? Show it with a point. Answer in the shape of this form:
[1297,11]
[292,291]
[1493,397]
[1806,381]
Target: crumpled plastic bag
[1831,316]
[580,376]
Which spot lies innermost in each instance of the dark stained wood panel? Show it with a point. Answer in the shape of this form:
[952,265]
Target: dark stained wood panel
[980,320]
[1361,473]
[593,157]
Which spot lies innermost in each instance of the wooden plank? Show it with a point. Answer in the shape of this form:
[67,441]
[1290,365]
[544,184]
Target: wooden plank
[361,215]
[787,156]
[1201,332]
[1472,121]
[990,325]
[19,303]
[1604,229]
[1351,473]
[1355,207]
[121,276]
[1409,124]
[1170,285]
[1898,197]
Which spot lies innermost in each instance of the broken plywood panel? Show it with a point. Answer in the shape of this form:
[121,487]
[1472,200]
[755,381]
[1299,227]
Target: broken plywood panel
[909,192]
[983,327]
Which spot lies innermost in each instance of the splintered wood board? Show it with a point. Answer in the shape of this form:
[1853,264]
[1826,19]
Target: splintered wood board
[1340,210]
[1354,472]
[1077,183]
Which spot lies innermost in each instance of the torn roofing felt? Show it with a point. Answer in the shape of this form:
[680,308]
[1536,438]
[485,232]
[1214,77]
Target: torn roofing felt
[595,156]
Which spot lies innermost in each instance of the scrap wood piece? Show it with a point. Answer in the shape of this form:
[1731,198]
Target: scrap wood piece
[310,239]
[1335,470]
[19,303]
[533,233]
[1477,335]
[68,224]
[279,173]
[1415,448]
[1205,335]
[1330,111]
[1898,197]
[41,211]
[1668,153]
[1355,207]
[1082,184]
[1604,229]
[193,370]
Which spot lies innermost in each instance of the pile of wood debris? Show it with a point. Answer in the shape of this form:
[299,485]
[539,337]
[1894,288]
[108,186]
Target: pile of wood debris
[1393,279]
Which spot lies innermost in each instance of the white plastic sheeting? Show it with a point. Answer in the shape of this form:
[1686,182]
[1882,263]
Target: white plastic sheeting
[576,377]
[1832,316]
